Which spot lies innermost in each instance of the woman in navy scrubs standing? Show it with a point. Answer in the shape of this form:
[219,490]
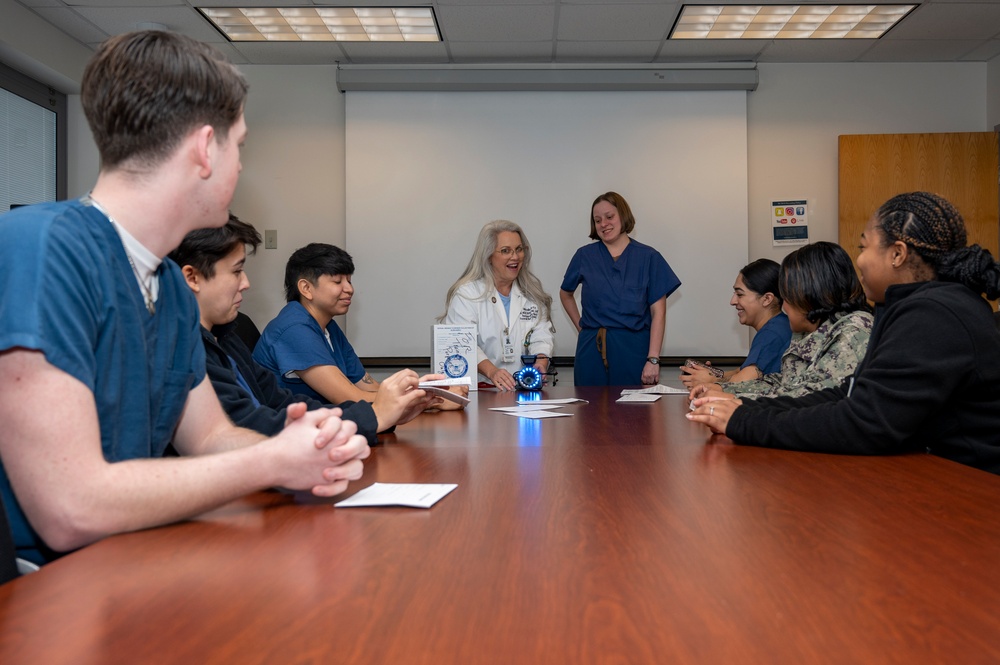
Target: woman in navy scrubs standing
[624,300]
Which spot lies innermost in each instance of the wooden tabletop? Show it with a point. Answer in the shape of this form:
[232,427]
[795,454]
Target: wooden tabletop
[624,534]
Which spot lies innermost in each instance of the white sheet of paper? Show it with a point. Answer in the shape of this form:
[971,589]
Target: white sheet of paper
[525,407]
[638,397]
[658,389]
[458,381]
[410,495]
[536,413]
[565,400]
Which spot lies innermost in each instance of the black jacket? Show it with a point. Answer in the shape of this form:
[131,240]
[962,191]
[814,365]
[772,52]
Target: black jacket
[930,381]
[221,344]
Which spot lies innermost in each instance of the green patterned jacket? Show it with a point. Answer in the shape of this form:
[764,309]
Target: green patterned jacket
[817,360]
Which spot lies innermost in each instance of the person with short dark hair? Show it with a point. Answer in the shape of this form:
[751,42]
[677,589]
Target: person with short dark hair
[930,381]
[306,349]
[101,362]
[213,264]
[625,285]
[827,309]
[758,303]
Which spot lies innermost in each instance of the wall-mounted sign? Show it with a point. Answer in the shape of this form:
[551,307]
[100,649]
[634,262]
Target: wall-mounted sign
[788,222]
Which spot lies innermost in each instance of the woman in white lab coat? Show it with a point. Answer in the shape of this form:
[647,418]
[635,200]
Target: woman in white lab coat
[503,298]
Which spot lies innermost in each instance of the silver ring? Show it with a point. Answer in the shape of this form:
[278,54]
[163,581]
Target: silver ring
[711,410]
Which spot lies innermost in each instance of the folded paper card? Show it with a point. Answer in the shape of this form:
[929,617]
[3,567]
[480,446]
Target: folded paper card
[658,389]
[441,388]
[537,414]
[637,398]
[409,495]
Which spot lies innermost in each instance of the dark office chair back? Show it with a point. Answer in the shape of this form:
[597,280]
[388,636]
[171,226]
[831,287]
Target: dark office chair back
[246,330]
[8,554]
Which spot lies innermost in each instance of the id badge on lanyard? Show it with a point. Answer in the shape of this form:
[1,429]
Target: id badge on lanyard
[509,354]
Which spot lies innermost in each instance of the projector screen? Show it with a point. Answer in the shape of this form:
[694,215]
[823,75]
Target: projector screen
[425,171]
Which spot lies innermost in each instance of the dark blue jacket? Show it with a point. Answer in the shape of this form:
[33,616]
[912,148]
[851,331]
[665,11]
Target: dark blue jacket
[221,344]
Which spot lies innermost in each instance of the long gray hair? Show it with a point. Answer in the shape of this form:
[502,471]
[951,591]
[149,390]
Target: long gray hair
[480,268]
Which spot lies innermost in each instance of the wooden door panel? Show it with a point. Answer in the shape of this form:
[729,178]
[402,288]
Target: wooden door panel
[962,167]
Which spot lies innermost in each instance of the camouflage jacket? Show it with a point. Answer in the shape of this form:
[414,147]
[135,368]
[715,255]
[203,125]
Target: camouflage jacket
[818,360]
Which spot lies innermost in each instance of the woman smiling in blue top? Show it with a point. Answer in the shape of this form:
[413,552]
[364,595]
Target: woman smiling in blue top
[624,299]
[758,305]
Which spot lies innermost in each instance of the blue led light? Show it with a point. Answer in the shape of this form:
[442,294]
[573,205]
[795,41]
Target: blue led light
[528,378]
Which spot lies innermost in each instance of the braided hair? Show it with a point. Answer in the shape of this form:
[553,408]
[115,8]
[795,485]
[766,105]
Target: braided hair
[934,229]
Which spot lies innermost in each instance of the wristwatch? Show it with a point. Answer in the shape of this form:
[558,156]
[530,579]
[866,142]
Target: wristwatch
[653,360]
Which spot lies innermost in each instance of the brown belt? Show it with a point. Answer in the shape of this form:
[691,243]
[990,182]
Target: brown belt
[602,345]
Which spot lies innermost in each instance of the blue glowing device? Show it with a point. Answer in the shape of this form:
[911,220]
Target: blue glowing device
[528,378]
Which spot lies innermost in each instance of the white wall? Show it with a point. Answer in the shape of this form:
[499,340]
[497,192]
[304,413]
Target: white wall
[293,172]
[798,111]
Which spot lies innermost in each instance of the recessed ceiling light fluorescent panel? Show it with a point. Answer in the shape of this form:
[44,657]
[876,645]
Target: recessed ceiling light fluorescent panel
[787,21]
[324,24]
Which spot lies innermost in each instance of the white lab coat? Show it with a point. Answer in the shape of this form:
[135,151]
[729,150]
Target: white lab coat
[469,305]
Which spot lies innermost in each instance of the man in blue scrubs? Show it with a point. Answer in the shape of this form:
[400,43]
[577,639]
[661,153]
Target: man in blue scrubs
[101,359]
[306,349]
[213,261]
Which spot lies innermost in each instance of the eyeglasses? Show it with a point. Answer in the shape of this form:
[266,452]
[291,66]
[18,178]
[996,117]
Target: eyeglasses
[507,251]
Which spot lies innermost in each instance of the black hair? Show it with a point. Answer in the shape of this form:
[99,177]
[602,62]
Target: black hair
[761,276]
[312,262]
[934,229]
[203,248]
[820,280]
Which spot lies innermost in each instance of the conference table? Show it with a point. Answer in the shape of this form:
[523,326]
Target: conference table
[623,533]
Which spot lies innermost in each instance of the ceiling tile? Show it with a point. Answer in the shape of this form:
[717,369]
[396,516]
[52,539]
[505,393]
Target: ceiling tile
[918,50]
[233,54]
[633,51]
[949,21]
[715,50]
[183,19]
[470,52]
[268,3]
[815,50]
[72,23]
[615,23]
[985,52]
[503,3]
[288,53]
[677,5]
[508,23]
[124,3]
[386,53]
[42,3]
